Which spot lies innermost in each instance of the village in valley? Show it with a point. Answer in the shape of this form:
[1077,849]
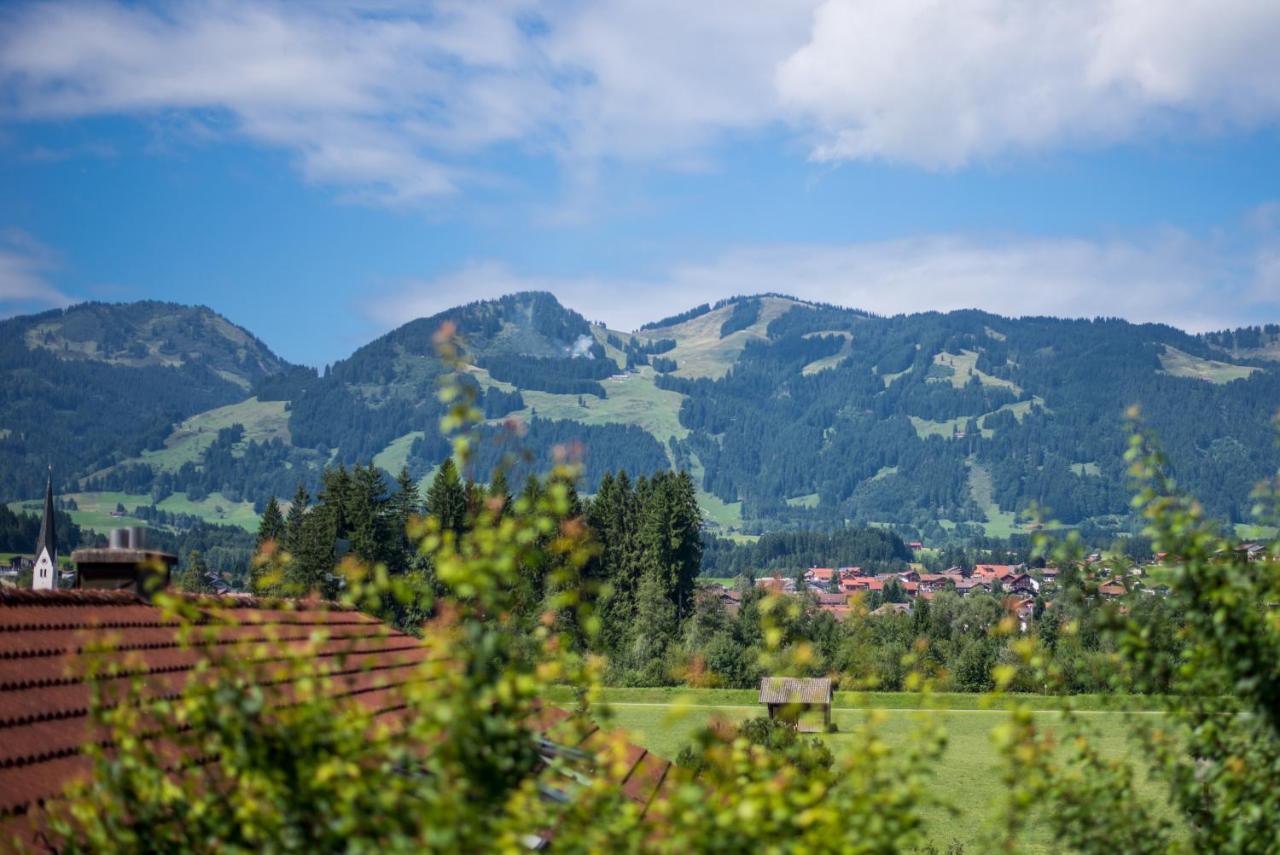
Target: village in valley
[1021,588]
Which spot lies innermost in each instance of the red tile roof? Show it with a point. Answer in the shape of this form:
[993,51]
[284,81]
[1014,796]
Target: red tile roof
[45,694]
[993,571]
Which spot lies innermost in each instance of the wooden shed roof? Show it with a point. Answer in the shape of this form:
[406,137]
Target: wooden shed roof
[795,690]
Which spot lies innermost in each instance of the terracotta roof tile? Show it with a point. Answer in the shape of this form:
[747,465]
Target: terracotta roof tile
[45,696]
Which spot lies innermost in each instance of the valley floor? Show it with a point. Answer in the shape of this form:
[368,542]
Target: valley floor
[968,778]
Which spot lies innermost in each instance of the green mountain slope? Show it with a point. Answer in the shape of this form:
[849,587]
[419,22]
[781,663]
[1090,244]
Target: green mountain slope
[89,386]
[789,414]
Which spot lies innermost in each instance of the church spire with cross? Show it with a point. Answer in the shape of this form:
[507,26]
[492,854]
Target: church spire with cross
[44,576]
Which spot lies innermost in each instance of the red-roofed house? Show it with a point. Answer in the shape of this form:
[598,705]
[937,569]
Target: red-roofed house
[861,583]
[997,571]
[1022,583]
[777,584]
[821,575]
[933,582]
[1112,589]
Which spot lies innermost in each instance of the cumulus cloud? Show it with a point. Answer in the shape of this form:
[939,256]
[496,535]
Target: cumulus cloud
[368,95]
[940,84]
[397,100]
[1192,282]
[25,264]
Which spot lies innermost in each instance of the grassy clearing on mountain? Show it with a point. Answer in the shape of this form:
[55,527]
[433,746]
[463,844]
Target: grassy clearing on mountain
[829,361]
[999,523]
[945,429]
[394,457]
[701,352]
[632,399]
[262,420]
[964,367]
[664,719]
[1179,364]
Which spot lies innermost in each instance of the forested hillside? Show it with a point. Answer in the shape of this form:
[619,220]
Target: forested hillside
[87,387]
[788,415]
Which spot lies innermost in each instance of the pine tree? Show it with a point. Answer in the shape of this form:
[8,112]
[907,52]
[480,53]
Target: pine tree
[297,515]
[499,492]
[653,631]
[447,498]
[671,534]
[335,494]
[272,525]
[364,509]
[311,571]
[611,515]
[402,507]
[194,577]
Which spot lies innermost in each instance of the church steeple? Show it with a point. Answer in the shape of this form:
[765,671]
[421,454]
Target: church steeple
[44,576]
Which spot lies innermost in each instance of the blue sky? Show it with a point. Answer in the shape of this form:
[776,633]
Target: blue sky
[321,173]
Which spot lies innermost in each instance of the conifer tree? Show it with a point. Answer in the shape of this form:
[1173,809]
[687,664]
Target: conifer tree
[402,507]
[363,517]
[194,577]
[293,524]
[335,494]
[653,630]
[311,571]
[671,534]
[447,498]
[499,490]
[272,525]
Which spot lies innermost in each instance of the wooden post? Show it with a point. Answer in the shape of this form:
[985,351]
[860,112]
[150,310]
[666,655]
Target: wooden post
[826,717]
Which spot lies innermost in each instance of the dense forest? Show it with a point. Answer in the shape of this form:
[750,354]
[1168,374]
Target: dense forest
[1040,410]
[19,531]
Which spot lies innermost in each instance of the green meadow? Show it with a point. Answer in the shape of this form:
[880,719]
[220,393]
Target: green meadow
[967,779]
[95,510]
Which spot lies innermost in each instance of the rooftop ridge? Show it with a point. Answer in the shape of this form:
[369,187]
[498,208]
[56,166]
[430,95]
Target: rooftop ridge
[102,597]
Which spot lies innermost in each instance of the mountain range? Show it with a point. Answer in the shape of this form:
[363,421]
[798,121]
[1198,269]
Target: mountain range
[789,414]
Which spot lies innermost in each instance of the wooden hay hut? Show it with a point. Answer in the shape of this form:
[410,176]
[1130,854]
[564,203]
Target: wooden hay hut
[788,698]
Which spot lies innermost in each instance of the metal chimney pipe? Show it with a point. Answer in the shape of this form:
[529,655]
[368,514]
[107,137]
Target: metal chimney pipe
[119,538]
[138,537]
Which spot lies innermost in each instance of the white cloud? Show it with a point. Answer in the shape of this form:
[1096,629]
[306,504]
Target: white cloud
[368,95]
[1191,282]
[24,267]
[940,84]
[401,101]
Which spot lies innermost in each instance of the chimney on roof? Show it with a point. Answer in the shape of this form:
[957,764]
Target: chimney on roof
[44,575]
[125,565]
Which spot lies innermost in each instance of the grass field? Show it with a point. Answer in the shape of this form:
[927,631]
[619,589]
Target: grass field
[968,777]
[631,400]
[964,366]
[829,361]
[1179,364]
[95,509]
[999,523]
[262,420]
[394,457]
[701,352]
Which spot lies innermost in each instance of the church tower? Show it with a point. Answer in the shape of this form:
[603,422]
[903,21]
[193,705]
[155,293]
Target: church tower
[44,576]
